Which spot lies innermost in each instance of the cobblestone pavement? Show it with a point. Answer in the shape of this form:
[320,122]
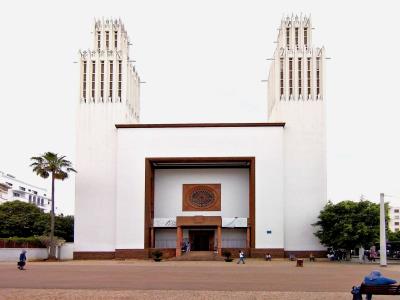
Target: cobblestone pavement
[134,279]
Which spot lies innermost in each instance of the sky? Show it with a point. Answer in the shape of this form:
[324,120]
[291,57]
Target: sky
[204,61]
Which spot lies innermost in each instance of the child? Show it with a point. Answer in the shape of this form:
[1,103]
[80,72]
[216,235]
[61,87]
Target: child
[241,257]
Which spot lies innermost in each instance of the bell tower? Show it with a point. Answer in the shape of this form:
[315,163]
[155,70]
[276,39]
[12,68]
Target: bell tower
[296,96]
[109,94]
[107,74]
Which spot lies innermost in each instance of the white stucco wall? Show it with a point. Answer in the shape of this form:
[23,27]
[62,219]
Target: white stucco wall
[95,181]
[12,254]
[234,191]
[305,186]
[135,144]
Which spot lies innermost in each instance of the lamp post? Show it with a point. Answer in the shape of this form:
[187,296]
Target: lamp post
[382,234]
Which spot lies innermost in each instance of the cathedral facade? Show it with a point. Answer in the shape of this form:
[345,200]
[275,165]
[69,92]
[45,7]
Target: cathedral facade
[257,187]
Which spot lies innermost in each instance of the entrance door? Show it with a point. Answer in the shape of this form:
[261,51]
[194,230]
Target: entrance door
[201,240]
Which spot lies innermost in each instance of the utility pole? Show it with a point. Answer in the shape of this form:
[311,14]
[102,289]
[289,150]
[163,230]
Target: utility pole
[382,234]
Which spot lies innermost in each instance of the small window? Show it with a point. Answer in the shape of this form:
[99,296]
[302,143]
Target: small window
[35,192]
[84,84]
[288,37]
[107,39]
[30,198]
[397,217]
[22,188]
[299,76]
[98,39]
[396,210]
[281,78]
[318,75]
[115,39]
[296,37]
[119,80]
[396,223]
[93,78]
[110,92]
[308,76]
[305,36]
[10,184]
[102,80]
[17,194]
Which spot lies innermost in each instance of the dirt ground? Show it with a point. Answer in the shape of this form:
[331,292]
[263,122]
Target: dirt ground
[133,279]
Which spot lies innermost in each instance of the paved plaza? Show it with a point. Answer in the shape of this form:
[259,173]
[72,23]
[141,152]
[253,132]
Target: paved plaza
[133,279]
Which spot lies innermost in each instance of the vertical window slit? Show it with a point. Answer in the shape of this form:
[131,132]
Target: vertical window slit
[308,76]
[98,39]
[110,94]
[119,79]
[84,84]
[93,79]
[318,76]
[300,79]
[281,78]
[102,80]
[288,37]
[290,76]
[305,37]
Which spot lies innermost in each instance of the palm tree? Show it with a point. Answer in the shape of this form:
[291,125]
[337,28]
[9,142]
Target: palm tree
[58,167]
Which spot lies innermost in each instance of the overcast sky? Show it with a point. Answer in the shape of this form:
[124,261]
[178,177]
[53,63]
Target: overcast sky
[203,61]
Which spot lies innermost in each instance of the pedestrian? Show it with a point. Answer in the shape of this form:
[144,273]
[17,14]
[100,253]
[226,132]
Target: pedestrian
[241,257]
[188,247]
[361,255]
[312,257]
[22,260]
[268,257]
[374,278]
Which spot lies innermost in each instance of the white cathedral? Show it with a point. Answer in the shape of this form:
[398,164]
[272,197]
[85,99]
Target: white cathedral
[258,187]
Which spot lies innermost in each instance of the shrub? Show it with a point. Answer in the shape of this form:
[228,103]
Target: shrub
[157,254]
[22,242]
[227,254]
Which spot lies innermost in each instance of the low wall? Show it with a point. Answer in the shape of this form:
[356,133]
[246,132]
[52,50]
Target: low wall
[65,252]
[12,254]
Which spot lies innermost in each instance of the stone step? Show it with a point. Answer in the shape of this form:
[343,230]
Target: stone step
[198,256]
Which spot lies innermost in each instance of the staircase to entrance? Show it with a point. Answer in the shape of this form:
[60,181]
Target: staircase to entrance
[198,256]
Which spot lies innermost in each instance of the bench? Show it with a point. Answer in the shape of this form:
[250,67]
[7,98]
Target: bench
[377,290]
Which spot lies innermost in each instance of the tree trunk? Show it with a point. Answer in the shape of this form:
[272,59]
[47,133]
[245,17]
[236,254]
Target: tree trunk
[52,254]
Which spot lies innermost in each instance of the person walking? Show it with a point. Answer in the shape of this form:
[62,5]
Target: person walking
[22,260]
[241,257]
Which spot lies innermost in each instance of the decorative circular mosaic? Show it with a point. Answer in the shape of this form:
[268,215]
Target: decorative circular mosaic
[202,197]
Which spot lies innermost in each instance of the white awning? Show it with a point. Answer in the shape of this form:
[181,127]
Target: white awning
[234,222]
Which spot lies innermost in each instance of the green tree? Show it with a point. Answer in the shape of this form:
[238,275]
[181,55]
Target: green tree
[19,219]
[393,236]
[348,225]
[23,220]
[51,164]
[63,226]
